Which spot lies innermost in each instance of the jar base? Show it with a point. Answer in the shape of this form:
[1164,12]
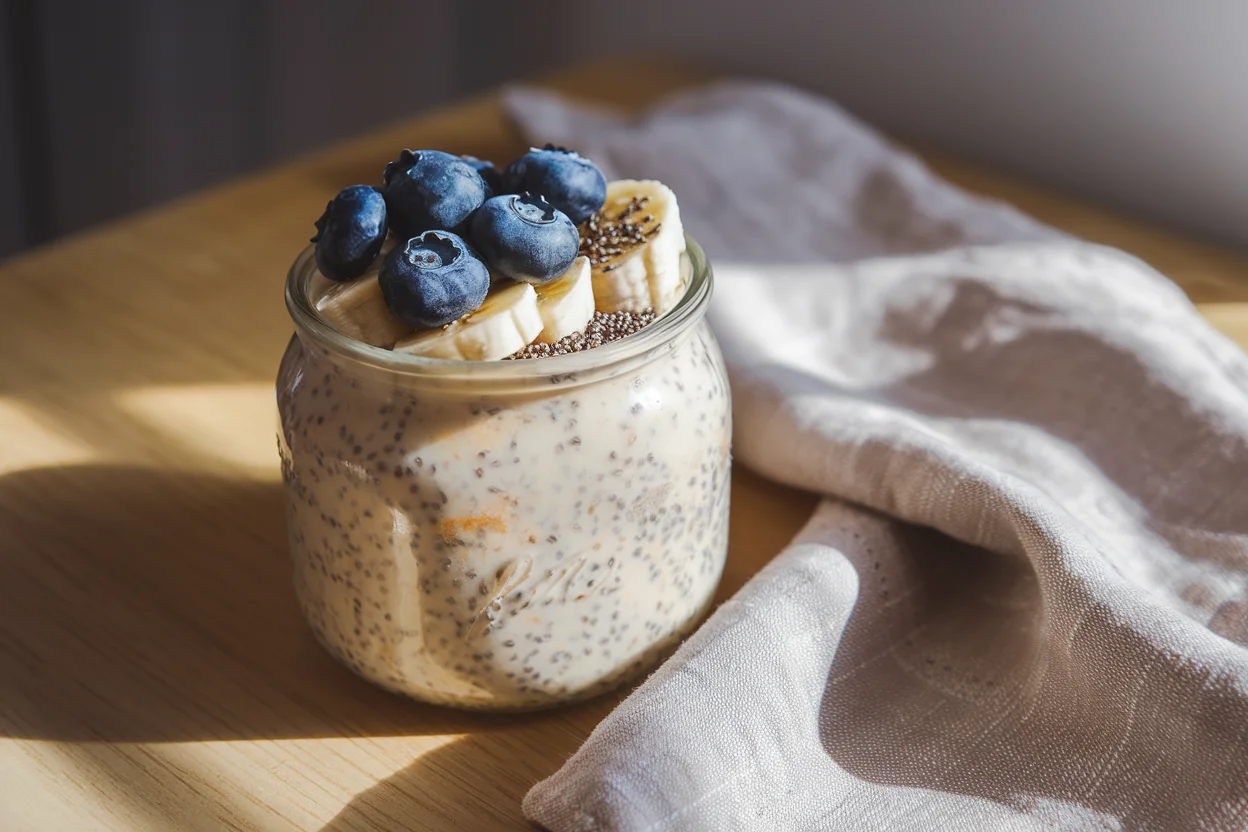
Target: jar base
[649,660]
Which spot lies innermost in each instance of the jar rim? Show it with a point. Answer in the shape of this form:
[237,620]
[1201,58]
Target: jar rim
[690,309]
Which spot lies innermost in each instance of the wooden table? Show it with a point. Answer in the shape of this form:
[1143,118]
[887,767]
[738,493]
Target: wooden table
[154,670]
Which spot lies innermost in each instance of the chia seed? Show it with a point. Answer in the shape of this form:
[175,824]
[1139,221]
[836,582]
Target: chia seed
[603,328]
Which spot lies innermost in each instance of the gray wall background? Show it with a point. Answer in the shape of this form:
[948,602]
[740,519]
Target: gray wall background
[1139,104]
[108,107]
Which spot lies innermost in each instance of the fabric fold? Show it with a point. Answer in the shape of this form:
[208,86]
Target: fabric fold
[1023,603]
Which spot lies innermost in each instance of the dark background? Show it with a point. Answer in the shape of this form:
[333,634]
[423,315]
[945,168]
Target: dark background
[107,106]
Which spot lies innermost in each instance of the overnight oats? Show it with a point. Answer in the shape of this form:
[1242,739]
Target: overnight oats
[505,430]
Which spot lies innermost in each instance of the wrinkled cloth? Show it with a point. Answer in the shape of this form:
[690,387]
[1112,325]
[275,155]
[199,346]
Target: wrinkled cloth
[1022,603]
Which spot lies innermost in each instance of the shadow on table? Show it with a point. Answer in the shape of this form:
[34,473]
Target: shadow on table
[473,783]
[139,605]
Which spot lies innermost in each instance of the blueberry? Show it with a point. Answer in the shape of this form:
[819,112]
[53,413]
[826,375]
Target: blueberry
[350,232]
[433,279]
[569,181]
[525,237]
[429,189]
[489,173]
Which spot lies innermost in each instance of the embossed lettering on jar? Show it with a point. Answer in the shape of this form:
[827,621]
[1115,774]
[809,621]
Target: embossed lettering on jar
[509,534]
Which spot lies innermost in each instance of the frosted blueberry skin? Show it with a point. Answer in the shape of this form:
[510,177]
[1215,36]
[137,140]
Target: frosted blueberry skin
[525,237]
[350,233]
[567,180]
[489,174]
[433,279]
[430,190]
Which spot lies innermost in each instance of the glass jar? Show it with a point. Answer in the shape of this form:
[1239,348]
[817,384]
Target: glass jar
[509,534]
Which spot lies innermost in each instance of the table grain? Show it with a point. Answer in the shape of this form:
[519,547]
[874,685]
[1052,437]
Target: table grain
[155,673]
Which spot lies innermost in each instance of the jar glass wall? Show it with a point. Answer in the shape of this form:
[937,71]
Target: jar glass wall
[507,534]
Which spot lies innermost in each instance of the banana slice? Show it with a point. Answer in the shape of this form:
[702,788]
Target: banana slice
[635,245]
[567,302]
[507,322]
[358,310]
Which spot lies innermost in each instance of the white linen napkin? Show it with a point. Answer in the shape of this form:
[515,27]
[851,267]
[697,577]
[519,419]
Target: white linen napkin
[1024,602]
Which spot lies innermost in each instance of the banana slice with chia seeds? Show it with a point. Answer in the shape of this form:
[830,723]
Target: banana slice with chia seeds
[567,302]
[635,245]
[505,323]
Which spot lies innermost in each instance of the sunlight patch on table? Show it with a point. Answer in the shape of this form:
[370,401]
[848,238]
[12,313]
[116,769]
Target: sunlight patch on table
[30,442]
[305,782]
[230,425]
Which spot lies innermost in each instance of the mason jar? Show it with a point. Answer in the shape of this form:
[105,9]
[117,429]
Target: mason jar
[506,534]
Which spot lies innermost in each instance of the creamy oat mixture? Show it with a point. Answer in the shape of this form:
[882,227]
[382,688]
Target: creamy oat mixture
[507,553]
